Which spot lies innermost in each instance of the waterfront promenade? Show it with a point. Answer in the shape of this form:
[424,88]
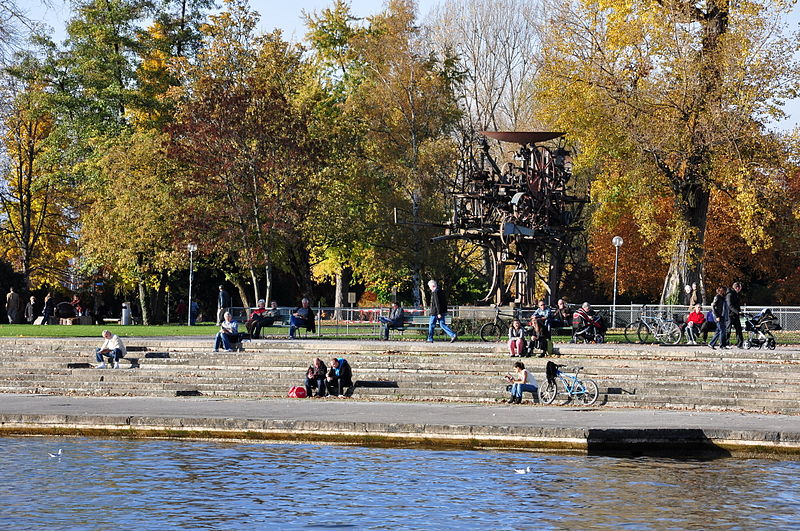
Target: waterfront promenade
[654,400]
[562,429]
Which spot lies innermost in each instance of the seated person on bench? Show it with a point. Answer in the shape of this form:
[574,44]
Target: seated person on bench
[395,320]
[260,318]
[303,315]
[228,334]
[340,378]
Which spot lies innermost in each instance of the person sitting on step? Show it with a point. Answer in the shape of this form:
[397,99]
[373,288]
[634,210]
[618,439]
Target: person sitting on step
[521,381]
[228,334]
[516,339]
[340,378]
[113,348]
[315,378]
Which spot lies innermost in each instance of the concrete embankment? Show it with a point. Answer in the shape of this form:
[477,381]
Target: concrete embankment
[594,431]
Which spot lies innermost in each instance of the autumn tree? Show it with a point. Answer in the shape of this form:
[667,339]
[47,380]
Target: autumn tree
[667,100]
[241,127]
[35,203]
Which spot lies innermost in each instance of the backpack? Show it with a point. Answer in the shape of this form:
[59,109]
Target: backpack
[551,371]
[297,392]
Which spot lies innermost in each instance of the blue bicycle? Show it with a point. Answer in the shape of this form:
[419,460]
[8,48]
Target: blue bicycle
[559,382]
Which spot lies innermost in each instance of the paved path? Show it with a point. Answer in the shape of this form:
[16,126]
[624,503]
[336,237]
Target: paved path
[586,430]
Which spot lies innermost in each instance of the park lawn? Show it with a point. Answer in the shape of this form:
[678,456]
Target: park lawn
[25,330]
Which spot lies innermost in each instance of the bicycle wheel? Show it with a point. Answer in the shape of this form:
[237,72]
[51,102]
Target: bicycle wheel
[492,332]
[590,392]
[548,392]
[672,334]
[631,332]
[644,333]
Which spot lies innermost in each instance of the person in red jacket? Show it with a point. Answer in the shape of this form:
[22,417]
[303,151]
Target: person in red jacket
[693,324]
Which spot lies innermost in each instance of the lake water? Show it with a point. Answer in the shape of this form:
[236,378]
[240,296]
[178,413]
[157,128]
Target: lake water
[152,484]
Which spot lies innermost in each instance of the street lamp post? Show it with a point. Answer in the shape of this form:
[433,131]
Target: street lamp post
[192,247]
[616,241]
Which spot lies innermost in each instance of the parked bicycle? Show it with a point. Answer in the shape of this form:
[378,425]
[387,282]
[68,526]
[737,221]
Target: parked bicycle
[653,329]
[497,329]
[569,385]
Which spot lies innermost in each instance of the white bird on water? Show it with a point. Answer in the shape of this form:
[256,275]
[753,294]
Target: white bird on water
[57,454]
[526,470]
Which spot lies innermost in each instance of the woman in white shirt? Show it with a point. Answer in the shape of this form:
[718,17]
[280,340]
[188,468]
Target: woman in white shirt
[522,380]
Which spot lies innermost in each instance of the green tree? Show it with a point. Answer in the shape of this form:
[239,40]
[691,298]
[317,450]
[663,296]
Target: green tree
[133,224]
[241,127]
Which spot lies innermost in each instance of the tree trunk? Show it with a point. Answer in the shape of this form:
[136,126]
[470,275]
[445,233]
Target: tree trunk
[267,280]
[143,303]
[342,287]
[254,279]
[686,265]
[158,306]
[241,287]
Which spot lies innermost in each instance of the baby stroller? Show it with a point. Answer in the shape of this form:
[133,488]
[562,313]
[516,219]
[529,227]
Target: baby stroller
[760,327]
[587,328]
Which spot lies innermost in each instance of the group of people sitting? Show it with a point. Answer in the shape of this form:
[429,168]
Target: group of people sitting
[585,322]
[229,335]
[336,381]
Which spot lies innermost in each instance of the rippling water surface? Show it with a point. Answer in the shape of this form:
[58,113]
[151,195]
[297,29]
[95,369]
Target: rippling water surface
[150,484]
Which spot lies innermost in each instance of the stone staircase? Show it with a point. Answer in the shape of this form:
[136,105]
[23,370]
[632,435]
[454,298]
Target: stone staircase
[628,375]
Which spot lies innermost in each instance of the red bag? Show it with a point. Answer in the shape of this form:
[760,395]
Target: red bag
[297,392]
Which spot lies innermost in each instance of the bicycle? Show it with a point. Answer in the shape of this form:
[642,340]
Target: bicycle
[650,328]
[570,385]
[498,328]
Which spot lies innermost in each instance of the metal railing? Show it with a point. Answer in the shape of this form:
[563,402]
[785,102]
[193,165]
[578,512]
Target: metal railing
[467,320]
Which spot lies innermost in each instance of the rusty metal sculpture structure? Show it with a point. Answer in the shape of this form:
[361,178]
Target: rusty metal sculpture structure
[515,215]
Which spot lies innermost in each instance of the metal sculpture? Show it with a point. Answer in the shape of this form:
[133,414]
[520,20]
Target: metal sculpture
[516,214]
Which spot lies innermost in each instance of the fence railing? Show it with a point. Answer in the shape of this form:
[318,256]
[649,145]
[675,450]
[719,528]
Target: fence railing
[364,322]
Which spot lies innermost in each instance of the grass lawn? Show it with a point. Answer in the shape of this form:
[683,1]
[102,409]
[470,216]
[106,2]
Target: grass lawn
[206,329]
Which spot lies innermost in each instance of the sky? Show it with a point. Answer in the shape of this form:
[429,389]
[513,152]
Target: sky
[288,15]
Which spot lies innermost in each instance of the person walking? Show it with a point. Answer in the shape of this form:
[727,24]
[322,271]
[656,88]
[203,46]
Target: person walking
[49,309]
[721,311]
[223,303]
[438,312]
[735,308]
[12,305]
[30,311]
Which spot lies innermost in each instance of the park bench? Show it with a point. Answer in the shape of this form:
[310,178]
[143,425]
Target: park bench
[413,322]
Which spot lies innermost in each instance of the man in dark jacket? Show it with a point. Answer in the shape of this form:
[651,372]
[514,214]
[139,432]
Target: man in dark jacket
[735,308]
[223,303]
[721,311]
[438,312]
[340,378]
[395,320]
